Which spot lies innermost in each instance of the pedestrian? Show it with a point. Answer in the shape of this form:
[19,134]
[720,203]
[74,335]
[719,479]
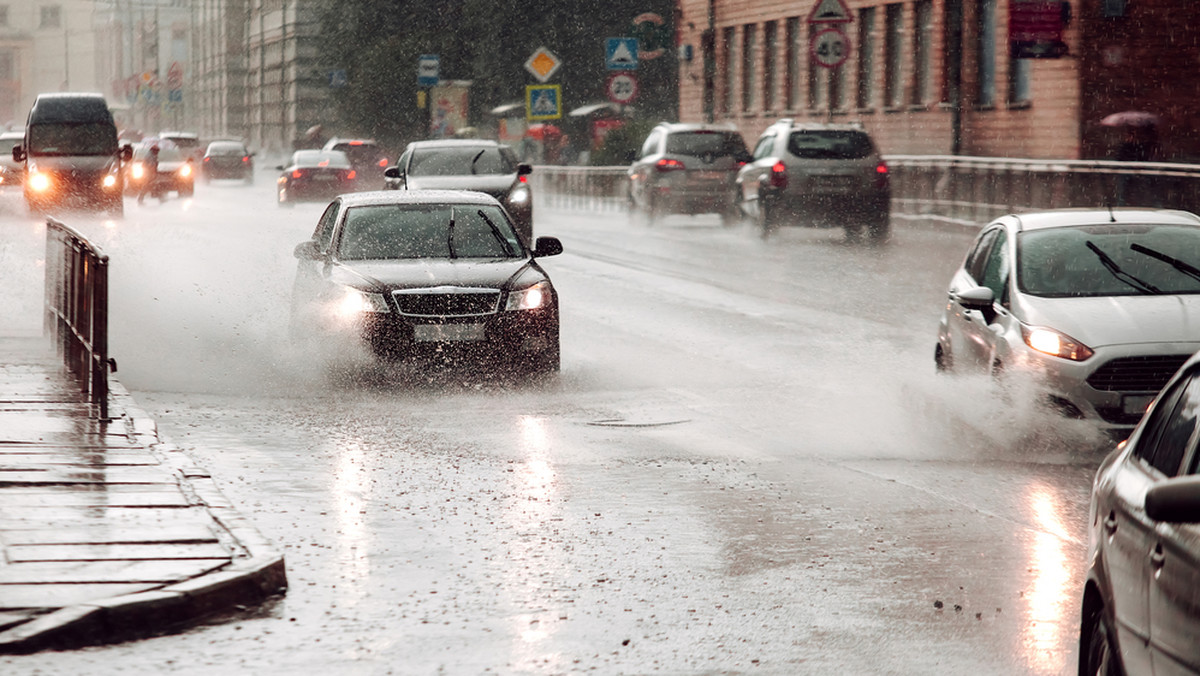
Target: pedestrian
[150,167]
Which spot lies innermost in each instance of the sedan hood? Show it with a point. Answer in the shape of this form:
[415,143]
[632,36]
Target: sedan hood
[495,185]
[1119,320]
[427,273]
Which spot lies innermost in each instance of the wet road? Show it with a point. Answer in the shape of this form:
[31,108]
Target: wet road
[746,465]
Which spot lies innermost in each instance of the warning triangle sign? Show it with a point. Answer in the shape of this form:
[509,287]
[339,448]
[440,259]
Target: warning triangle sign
[830,11]
[621,55]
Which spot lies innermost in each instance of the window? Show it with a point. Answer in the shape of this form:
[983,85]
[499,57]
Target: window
[866,57]
[995,271]
[795,51]
[770,82]
[894,64]
[749,40]
[730,69]
[51,16]
[922,49]
[975,261]
[837,87]
[1019,88]
[1172,432]
[651,145]
[951,50]
[765,145]
[986,53]
[3,15]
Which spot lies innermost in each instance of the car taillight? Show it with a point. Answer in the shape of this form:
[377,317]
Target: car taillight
[881,174]
[779,177]
[383,163]
[351,174]
[207,159]
[245,158]
[523,179]
[296,173]
[668,164]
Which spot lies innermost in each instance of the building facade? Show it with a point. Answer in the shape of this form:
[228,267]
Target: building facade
[931,77]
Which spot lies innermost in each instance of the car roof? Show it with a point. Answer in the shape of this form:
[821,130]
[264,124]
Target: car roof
[454,143]
[354,141]
[1066,218]
[177,134]
[675,127]
[377,197]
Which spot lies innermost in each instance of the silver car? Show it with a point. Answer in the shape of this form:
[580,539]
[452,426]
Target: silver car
[1099,307]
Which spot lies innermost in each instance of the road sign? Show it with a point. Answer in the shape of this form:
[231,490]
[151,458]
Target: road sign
[622,87]
[543,102]
[542,64]
[829,48]
[428,66]
[621,54]
[830,11]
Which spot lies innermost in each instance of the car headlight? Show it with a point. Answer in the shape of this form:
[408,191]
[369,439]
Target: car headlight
[530,298]
[109,181]
[185,170]
[1055,344]
[39,181]
[355,303]
[519,195]
[137,170]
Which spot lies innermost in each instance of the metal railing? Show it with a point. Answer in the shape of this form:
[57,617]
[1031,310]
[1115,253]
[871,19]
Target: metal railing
[76,310]
[968,190]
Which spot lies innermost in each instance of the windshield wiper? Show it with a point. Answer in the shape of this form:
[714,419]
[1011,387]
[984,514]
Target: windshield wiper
[1185,268]
[497,234]
[1116,271]
[476,159]
[450,236]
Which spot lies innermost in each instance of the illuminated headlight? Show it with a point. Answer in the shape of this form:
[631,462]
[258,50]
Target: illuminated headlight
[109,181]
[1055,344]
[519,195]
[137,170]
[355,303]
[39,182]
[531,298]
[185,170]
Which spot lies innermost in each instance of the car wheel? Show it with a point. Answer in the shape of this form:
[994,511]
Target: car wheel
[546,362]
[768,218]
[1098,656]
[941,360]
[880,229]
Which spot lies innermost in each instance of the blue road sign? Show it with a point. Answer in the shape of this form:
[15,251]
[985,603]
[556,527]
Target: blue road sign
[543,102]
[427,70]
[621,54]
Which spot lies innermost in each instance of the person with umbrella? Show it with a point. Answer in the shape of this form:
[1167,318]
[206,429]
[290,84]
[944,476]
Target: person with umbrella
[1139,144]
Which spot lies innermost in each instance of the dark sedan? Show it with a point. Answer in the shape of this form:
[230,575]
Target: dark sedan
[315,175]
[1141,603]
[469,164]
[228,159]
[428,276]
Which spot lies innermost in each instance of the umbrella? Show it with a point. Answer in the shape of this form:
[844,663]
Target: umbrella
[541,130]
[1131,118]
[508,109]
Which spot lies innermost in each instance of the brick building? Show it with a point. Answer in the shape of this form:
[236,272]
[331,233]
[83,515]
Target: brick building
[930,77]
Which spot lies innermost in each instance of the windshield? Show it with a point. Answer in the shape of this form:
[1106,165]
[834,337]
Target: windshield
[427,231]
[700,143]
[826,144]
[226,149]
[1109,260]
[88,138]
[321,158]
[463,161]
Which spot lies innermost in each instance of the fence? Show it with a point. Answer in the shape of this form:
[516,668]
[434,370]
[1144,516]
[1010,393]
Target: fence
[76,310]
[968,190]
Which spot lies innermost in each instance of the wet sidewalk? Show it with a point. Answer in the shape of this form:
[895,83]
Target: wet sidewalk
[107,534]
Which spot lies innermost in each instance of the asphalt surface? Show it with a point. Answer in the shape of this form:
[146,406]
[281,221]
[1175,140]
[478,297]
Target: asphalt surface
[106,533]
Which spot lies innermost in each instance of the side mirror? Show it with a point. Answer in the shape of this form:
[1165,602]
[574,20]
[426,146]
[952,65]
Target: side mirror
[393,172]
[18,154]
[307,251]
[978,298]
[631,157]
[524,169]
[547,246]
[1176,500]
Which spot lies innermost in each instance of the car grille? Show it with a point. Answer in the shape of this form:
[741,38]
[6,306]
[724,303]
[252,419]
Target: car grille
[1136,374]
[447,302]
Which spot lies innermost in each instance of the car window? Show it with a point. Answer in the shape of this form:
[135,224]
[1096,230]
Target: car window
[651,145]
[324,233]
[1172,431]
[224,149]
[320,158]
[705,143]
[763,149]
[828,144]
[460,161]
[1069,262]
[978,257]
[995,269]
[384,232]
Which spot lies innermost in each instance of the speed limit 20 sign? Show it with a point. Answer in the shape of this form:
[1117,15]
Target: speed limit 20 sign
[622,87]
[829,48]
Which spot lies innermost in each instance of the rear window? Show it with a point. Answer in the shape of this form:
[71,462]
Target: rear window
[226,149]
[824,144]
[361,153]
[702,143]
[461,161]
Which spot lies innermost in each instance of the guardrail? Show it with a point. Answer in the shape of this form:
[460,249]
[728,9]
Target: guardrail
[76,310]
[968,190]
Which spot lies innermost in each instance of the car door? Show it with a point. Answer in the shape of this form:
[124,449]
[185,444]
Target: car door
[748,176]
[972,339]
[1174,560]
[1129,534]
[641,169]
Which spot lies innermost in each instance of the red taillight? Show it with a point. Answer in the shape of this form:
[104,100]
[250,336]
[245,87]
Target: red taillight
[356,143]
[779,178]
[383,163]
[207,159]
[245,158]
[351,174]
[741,163]
[881,175]
[296,173]
[523,179]
[668,164]
[881,169]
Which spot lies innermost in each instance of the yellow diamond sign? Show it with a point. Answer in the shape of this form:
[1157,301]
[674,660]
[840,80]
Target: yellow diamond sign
[542,64]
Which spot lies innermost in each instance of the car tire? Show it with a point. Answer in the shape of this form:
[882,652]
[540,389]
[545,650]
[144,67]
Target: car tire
[880,228]
[768,218]
[1098,655]
[546,362]
[941,361]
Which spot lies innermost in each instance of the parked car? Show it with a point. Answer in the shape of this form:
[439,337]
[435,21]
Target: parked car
[1141,603]
[469,164]
[822,175]
[314,175]
[13,172]
[228,159]
[687,169]
[428,275]
[176,171]
[367,157]
[1096,307]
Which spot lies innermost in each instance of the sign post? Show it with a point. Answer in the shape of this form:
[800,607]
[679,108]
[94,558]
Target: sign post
[829,47]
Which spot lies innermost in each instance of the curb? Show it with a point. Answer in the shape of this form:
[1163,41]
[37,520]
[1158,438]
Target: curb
[256,573]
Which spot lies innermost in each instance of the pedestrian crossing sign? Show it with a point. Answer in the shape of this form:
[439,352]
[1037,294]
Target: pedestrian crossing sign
[543,102]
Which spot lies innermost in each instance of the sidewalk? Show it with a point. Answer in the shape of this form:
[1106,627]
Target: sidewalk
[105,533]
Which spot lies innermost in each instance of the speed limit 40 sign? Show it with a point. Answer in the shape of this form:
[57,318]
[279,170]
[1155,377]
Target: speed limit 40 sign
[829,48]
[622,87]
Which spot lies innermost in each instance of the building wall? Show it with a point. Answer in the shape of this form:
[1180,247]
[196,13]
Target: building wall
[914,113]
[39,56]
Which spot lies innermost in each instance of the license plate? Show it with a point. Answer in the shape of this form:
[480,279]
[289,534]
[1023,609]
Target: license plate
[832,182]
[1136,405]
[324,177]
[448,333]
[712,175]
